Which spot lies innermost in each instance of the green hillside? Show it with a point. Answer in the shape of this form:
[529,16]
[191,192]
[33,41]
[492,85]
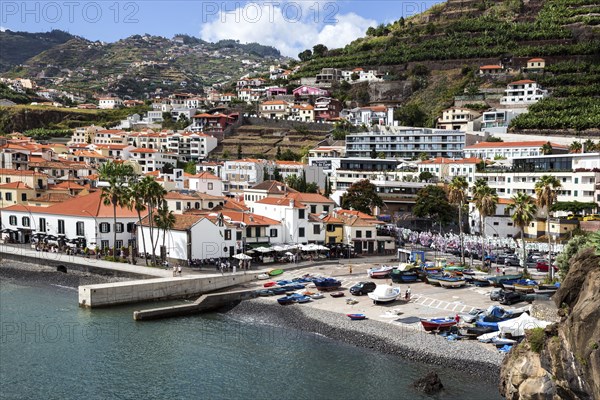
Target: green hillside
[18,47]
[451,40]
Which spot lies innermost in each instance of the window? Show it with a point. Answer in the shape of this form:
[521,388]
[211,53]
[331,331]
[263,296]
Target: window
[210,204]
[369,234]
[238,235]
[210,186]
[313,209]
[301,214]
[509,223]
[227,234]
[178,205]
[273,232]
[316,229]
[130,227]
[61,226]
[12,220]
[42,225]
[300,232]
[24,196]
[119,227]
[576,180]
[79,228]
[326,208]
[496,223]
[358,234]
[248,232]
[104,227]
[197,205]
[25,221]
[119,244]
[8,196]
[104,244]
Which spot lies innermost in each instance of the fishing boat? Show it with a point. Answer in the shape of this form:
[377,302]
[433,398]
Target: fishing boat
[270,284]
[316,296]
[404,276]
[433,279]
[495,314]
[262,277]
[480,282]
[451,282]
[547,290]
[384,294]
[275,272]
[327,284]
[285,300]
[300,298]
[525,285]
[497,280]
[437,324]
[265,293]
[284,282]
[279,290]
[382,272]
[356,317]
[337,294]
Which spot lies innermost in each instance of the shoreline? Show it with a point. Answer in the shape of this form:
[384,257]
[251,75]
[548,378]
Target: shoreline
[408,343]
[30,274]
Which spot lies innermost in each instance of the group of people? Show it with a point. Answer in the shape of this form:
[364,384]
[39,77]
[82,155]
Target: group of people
[176,269]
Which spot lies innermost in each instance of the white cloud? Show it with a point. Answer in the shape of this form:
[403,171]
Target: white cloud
[289,27]
[3,29]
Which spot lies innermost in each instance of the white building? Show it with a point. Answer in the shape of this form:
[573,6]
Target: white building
[458,118]
[292,214]
[523,92]
[238,175]
[497,120]
[495,150]
[84,220]
[444,169]
[109,103]
[205,182]
[151,160]
[498,225]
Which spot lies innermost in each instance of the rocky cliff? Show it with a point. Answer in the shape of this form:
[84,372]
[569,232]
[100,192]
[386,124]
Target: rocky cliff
[562,361]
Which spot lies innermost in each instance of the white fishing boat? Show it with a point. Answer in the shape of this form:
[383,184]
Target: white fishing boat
[452,283]
[384,294]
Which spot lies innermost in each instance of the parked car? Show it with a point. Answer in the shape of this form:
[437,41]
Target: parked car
[542,266]
[500,258]
[471,316]
[512,261]
[362,288]
[496,294]
[572,217]
[510,297]
[592,217]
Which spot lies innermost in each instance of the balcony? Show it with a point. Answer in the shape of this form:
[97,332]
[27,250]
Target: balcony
[258,239]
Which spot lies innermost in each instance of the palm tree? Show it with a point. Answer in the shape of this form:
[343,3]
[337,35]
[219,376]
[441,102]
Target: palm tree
[546,148]
[546,193]
[589,146]
[138,200]
[486,200]
[165,220]
[116,193]
[153,195]
[524,210]
[575,147]
[457,194]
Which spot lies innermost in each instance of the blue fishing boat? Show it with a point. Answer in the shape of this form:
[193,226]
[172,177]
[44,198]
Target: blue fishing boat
[451,281]
[285,300]
[494,315]
[327,284]
[265,292]
[356,317]
[404,276]
[433,279]
[279,290]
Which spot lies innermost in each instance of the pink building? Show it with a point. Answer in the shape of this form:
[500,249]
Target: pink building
[304,91]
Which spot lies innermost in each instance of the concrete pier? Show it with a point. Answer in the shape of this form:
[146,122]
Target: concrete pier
[110,294]
[207,302]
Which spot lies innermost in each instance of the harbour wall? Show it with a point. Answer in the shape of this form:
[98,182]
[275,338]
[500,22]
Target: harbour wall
[117,293]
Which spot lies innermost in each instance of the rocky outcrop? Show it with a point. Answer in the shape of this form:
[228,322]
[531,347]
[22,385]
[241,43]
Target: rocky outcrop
[429,384]
[562,361]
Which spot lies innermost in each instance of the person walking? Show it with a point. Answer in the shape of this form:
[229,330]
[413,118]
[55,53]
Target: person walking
[234,268]
[174,270]
[179,270]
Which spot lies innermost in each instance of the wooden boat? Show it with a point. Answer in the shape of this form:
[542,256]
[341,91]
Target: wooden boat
[480,282]
[384,294]
[337,294]
[404,276]
[270,284]
[497,314]
[300,298]
[546,292]
[265,293]
[275,272]
[497,280]
[379,273]
[437,324]
[316,296]
[285,300]
[356,317]
[451,282]
[263,276]
[279,290]
[433,279]
[327,284]
[525,286]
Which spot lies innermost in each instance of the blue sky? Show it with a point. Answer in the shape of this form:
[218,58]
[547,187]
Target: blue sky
[291,26]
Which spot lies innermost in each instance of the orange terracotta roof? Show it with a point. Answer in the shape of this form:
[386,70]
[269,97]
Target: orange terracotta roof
[49,197]
[505,201]
[280,162]
[15,185]
[330,219]
[203,175]
[182,221]
[273,187]
[249,219]
[522,82]
[16,172]
[536,60]
[360,214]
[232,205]
[144,150]
[310,198]
[69,185]
[491,67]
[274,102]
[533,143]
[82,206]
[285,202]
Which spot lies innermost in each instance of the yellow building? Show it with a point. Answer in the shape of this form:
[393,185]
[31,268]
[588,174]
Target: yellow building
[334,230]
[15,193]
[535,229]
[561,228]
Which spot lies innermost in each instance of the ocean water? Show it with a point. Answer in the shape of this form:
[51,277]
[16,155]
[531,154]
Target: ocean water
[52,349]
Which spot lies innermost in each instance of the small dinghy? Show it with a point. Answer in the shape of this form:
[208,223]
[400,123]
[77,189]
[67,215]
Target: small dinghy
[262,277]
[270,284]
[316,296]
[337,294]
[275,272]
[384,294]
[356,317]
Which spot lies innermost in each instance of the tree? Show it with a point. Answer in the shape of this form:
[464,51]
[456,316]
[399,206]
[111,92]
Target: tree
[524,210]
[575,207]
[425,176]
[572,247]
[239,151]
[546,193]
[327,192]
[589,146]
[354,76]
[362,196]
[423,156]
[138,199]
[305,55]
[411,115]
[117,175]
[546,148]
[319,50]
[432,203]
[457,195]
[190,167]
[165,220]
[486,200]
[575,147]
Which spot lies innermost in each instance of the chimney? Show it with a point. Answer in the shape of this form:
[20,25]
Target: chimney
[292,203]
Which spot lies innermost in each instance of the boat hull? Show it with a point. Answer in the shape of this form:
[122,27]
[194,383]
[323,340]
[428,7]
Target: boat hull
[452,283]
[431,325]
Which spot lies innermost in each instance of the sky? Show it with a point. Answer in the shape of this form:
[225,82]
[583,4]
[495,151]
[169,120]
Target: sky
[290,26]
